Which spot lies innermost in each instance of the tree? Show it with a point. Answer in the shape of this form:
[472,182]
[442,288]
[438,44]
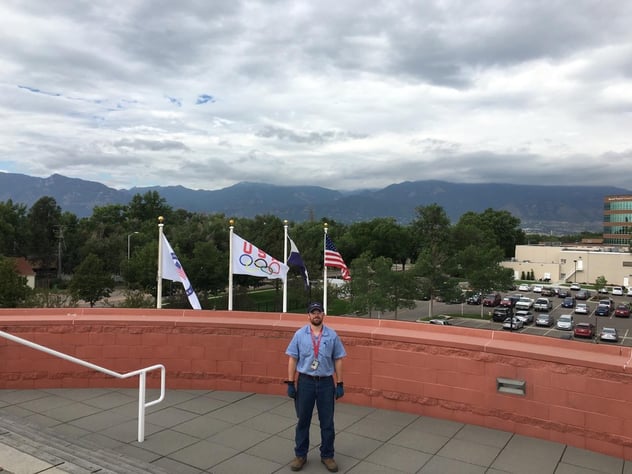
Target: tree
[433,237]
[14,291]
[44,220]
[91,281]
[13,229]
[600,283]
[376,287]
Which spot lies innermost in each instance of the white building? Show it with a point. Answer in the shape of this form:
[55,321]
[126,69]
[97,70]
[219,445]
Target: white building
[571,264]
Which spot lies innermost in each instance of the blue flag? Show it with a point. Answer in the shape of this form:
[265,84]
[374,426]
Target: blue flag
[296,260]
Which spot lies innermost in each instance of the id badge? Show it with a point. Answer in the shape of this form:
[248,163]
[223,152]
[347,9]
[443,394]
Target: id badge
[314,365]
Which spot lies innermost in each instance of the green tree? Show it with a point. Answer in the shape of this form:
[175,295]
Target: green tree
[13,229]
[14,292]
[432,234]
[477,256]
[600,283]
[44,220]
[376,287]
[91,281]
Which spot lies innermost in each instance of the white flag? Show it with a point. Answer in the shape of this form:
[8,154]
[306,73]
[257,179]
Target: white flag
[249,260]
[172,270]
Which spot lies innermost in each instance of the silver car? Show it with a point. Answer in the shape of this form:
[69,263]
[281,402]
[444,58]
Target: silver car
[512,323]
[544,319]
[609,334]
[565,322]
[582,308]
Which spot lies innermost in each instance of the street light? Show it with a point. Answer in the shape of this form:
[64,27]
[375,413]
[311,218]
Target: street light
[128,243]
[575,273]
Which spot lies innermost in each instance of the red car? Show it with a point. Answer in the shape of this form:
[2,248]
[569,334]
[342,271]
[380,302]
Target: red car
[622,311]
[584,330]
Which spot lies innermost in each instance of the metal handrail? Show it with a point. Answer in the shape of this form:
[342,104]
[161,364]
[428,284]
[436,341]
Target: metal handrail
[142,373]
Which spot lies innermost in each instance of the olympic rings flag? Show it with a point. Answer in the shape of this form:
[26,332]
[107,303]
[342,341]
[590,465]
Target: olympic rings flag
[172,270]
[249,260]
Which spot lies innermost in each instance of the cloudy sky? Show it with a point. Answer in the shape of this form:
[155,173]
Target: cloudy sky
[343,94]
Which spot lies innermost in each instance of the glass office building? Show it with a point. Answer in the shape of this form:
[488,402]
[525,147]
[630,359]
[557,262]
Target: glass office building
[617,220]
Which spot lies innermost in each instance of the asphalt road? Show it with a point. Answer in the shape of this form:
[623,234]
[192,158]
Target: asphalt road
[623,325]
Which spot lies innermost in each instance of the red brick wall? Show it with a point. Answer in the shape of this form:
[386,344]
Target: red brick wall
[576,393]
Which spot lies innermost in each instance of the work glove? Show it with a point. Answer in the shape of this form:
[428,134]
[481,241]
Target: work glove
[291,389]
[340,390]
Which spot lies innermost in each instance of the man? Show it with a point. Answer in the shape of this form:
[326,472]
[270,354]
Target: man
[315,356]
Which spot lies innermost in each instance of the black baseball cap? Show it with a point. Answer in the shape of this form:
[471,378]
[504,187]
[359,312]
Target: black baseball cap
[315,306]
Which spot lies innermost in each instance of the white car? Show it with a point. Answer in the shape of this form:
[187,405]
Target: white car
[582,308]
[537,289]
[525,316]
[565,322]
[575,287]
[609,334]
[513,323]
[524,303]
[524,287]
[617,291]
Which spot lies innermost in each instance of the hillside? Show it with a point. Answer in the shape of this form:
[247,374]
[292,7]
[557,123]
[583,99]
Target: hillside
[557,209]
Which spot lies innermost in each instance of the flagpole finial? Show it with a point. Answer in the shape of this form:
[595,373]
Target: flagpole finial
[231,221]
[325,225]
[161,219]
[284,221]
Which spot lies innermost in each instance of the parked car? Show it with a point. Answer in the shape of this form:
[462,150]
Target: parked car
[575,287]
[524,303]
[608,302]
[544,319]
[525,316]
[565,322]
[512,323]
[475,299]
[617,291]
[582,308]
[542,304]
[501,313]
[569,302]
[603,291]
[537,288]
[622,311]
[602,310]
[563,293]
[509,301]
[493,299]
[629,291]
[441,322]
[583,295]
[524,287]
[609,334]
[584,330]
[547,291]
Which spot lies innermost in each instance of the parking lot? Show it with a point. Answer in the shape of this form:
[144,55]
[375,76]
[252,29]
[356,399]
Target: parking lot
[623,325]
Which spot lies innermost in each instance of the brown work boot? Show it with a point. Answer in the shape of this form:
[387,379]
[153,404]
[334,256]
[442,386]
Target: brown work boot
[298,463]
[330,464]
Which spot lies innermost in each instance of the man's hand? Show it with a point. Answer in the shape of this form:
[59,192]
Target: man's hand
[340,390]
[291,389]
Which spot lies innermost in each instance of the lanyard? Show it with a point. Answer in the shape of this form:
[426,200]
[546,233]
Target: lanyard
[316,342]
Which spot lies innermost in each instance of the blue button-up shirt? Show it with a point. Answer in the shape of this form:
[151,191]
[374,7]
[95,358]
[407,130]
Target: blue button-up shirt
[301,347]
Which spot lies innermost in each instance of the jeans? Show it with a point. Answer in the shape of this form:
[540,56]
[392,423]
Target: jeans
[319,392]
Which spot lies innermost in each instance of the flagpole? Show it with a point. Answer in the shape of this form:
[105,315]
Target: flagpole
[285,261]
[159,280]
[324,269]
[230,264]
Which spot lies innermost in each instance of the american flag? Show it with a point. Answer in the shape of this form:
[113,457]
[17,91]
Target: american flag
[334,259]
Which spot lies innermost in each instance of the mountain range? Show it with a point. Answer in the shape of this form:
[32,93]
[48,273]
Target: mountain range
[542,209]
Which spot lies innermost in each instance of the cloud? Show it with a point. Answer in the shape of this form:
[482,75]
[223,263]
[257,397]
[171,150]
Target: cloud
[204,98]
[347,94]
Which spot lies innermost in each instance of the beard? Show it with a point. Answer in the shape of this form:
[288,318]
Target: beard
[316,321]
